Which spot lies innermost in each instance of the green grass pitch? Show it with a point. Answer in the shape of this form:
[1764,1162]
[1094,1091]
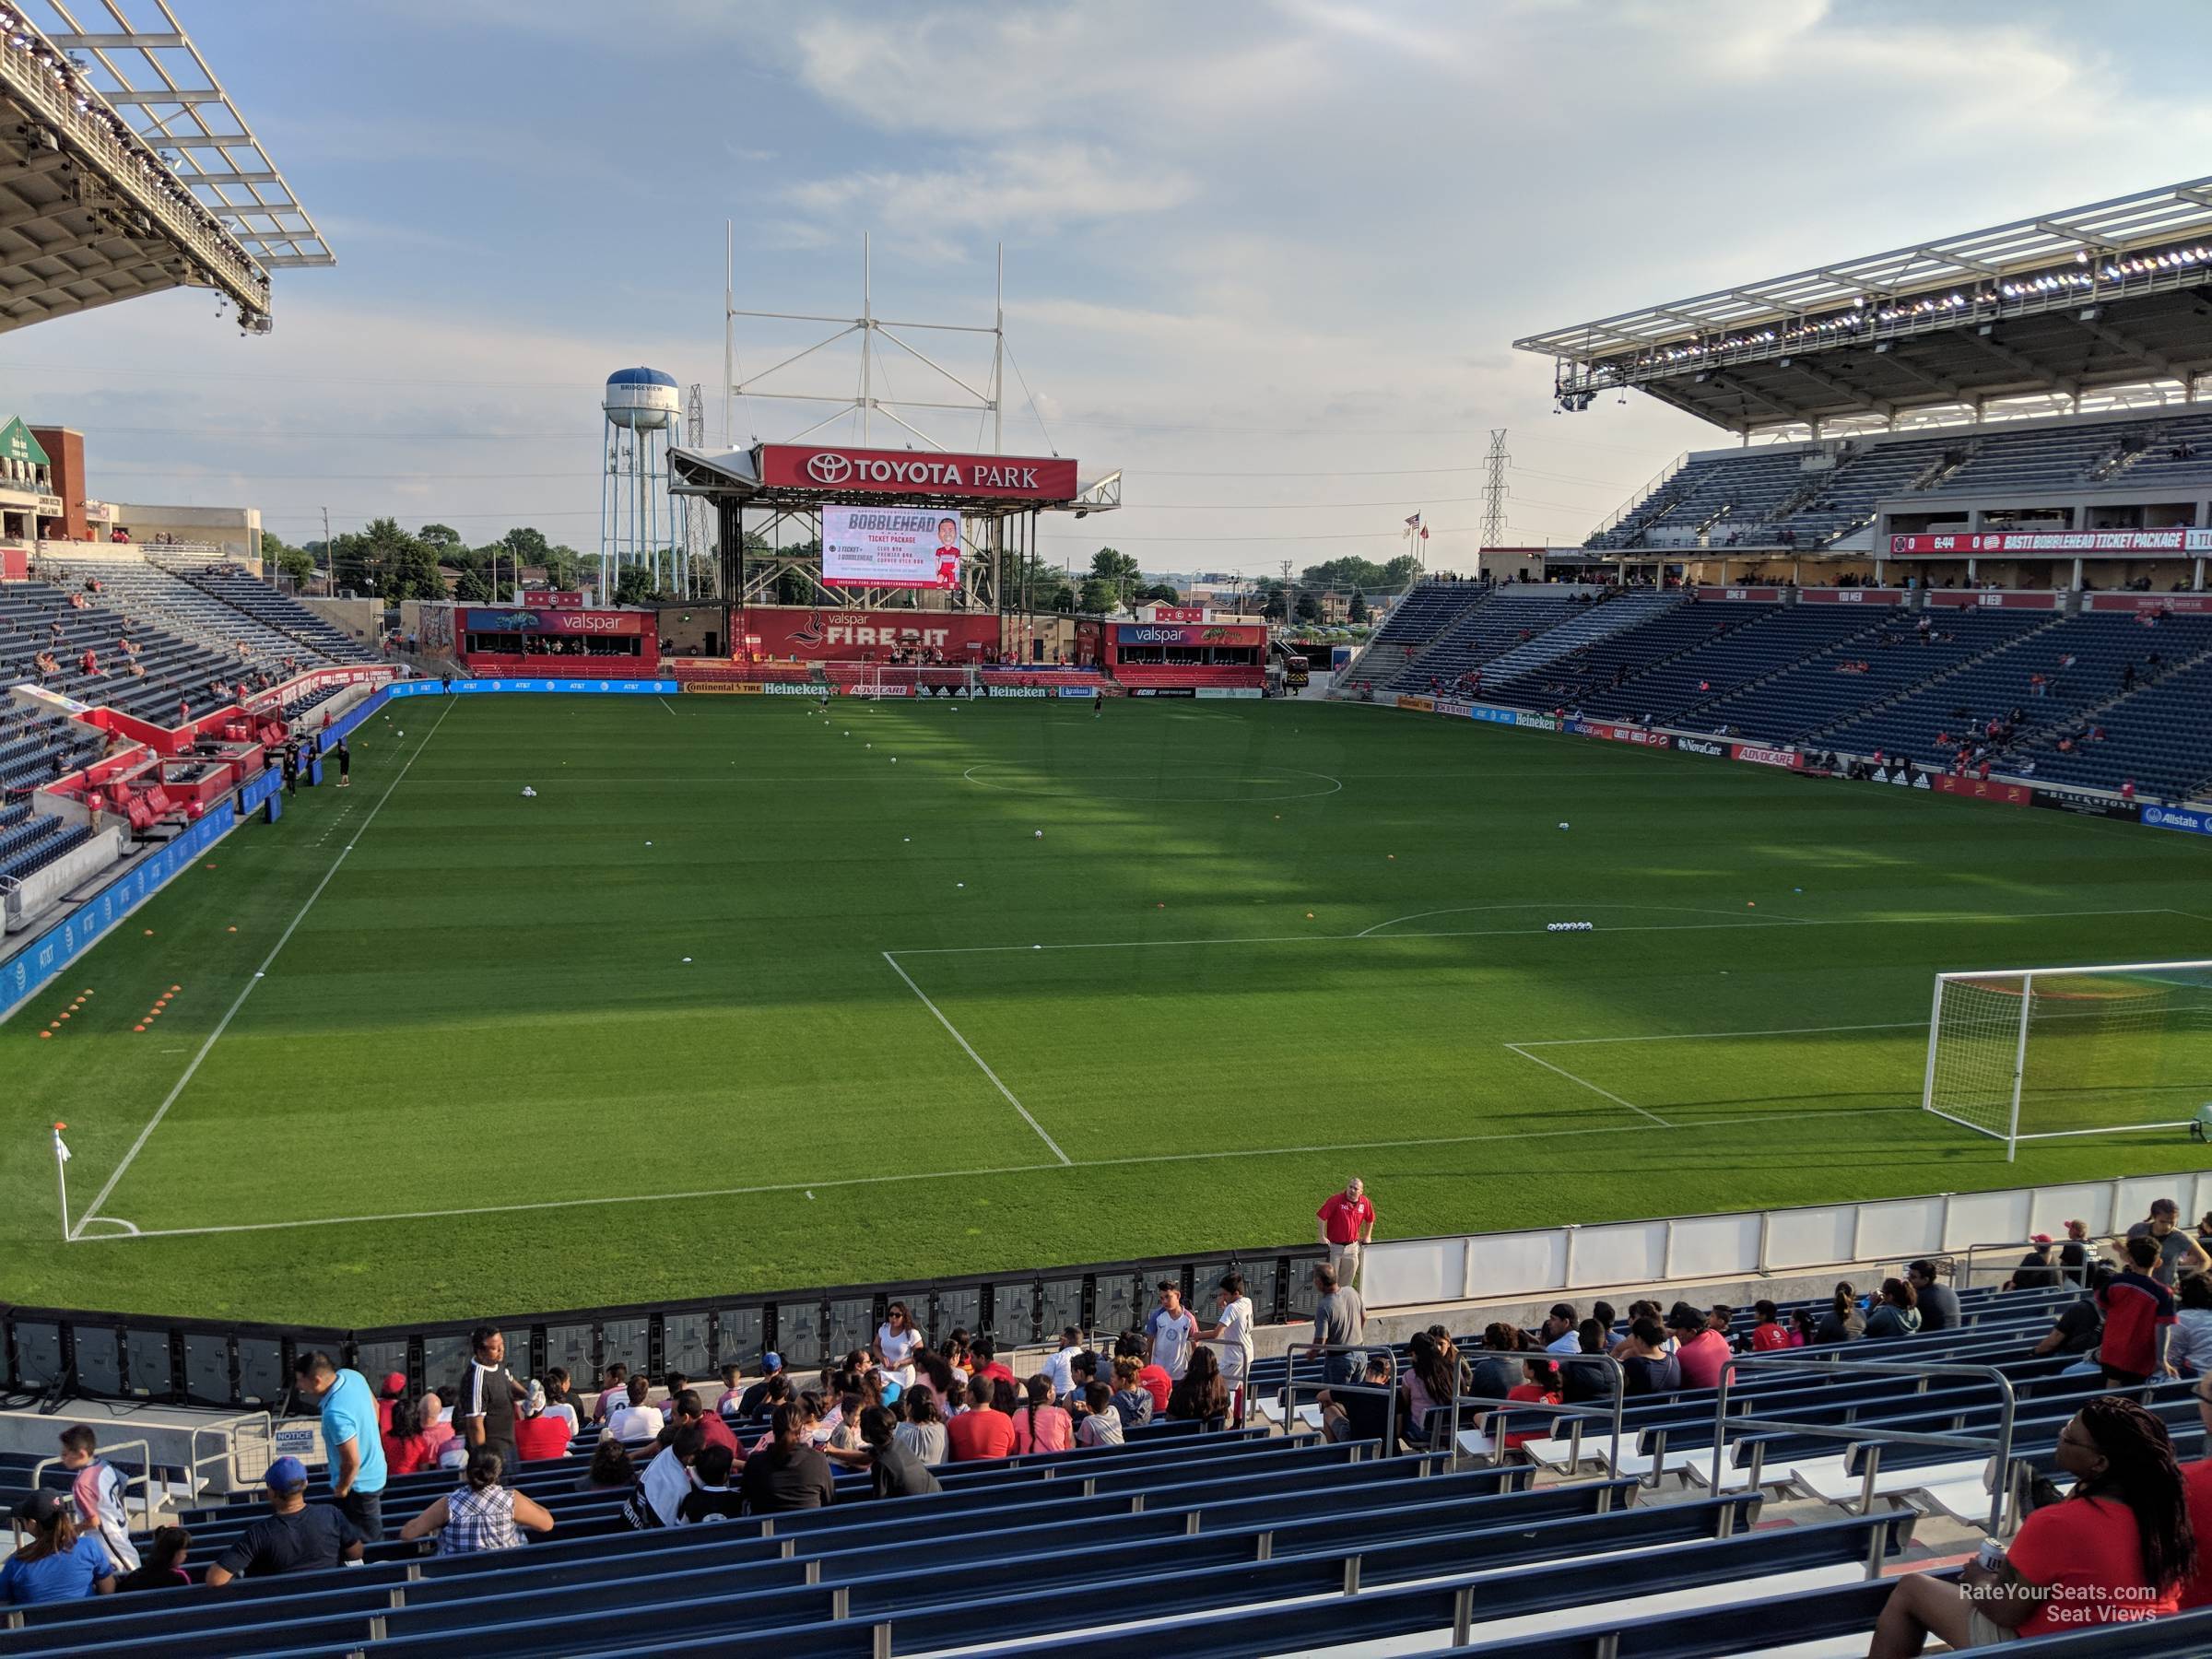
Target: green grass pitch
[1258,947]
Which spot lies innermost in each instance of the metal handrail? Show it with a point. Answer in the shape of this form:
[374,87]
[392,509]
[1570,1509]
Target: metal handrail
[1563,1409]
[1999,1449]
[1291,1382]
[229,1451]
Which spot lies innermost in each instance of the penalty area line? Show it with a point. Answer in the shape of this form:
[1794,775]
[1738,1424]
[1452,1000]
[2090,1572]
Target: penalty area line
[1584,1082]
[967,1048]
[91,1211]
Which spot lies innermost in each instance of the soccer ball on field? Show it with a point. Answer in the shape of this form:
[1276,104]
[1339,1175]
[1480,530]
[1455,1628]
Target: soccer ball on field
[1040,835]
[1562,823]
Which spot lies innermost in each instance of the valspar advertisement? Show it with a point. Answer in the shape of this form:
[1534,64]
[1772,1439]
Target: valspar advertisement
[891,546]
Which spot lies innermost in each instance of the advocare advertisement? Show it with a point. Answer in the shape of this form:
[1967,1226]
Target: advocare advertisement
[891,546]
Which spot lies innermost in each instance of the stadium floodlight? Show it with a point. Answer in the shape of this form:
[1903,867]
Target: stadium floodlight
[2037,1053]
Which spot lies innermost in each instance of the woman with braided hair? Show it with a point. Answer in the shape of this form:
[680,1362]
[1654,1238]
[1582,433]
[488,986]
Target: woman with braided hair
[2116,1549]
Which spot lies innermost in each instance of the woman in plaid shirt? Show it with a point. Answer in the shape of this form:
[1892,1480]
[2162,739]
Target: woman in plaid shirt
[480,1515]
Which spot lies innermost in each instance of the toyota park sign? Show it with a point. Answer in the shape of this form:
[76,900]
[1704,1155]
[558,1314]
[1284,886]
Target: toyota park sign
[912,473]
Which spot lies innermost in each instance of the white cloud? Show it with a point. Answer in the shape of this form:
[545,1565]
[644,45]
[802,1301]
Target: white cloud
[1038,188]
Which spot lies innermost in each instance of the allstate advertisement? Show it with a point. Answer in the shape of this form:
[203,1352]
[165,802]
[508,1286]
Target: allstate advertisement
[891,546]
[2178,817]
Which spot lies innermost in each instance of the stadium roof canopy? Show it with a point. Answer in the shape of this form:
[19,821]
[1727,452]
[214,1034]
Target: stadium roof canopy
[125,168]
[2084,301]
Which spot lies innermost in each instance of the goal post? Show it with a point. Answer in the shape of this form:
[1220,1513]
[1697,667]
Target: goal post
[2034,1054]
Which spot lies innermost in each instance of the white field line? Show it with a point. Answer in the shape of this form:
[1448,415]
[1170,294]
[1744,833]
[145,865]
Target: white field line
[1467,910]
[1951,920]
[1033,1169]
[1887,1025]
[967,1048]
[245,991]
[1594,1088]
[665,704]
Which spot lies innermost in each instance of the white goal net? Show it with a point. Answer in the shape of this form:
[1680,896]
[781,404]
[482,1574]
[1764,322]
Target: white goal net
[2028,1053]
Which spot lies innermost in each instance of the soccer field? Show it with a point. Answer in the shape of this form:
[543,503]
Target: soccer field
[748,998]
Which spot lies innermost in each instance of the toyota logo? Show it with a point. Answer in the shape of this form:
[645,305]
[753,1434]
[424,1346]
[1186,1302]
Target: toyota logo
[826,467]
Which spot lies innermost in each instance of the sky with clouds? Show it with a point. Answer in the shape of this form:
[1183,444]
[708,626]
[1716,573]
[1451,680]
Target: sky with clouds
[1267,258]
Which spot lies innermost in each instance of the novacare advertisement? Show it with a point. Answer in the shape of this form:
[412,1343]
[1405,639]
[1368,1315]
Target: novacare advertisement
[891,546]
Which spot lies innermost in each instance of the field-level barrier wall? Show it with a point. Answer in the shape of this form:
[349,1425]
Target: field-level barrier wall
[225,1363]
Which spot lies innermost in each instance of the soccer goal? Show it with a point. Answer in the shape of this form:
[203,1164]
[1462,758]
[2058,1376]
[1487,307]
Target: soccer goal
[2030,1053]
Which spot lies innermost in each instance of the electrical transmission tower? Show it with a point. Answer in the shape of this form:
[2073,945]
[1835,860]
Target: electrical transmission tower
[699,518]
[1494,491]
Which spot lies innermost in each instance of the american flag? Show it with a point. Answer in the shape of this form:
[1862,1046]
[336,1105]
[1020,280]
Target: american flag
[1414,527]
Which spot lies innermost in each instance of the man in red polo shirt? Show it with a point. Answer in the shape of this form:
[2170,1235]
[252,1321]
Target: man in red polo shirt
[1347,1223]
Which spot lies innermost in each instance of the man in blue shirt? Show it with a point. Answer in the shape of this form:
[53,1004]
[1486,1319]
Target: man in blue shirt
[351,1437]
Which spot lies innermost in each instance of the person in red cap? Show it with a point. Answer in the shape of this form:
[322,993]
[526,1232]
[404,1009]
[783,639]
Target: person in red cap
[393,1387]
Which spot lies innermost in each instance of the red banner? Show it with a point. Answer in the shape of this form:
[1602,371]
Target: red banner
[1851,596]
[2181,605]
[1763,595]
[2011,794]
[1765,757]
[554,599]
[1981,599]
[1178,613]
[1624,734]
[14,564]
[2052,543]
[858,636]
[871,472]
[518,620]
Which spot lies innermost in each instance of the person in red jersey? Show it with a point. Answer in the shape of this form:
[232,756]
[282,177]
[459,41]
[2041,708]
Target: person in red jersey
[1346,1225]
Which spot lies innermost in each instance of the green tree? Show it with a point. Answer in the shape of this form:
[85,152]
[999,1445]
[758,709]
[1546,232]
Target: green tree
[526,545]
[441,536]
[381,558]
[296,562]
[473,588]
[1101,595]
[564,567]
[633,585]
[1309,606]
[1120,575]
[1358,613]
[1161,592]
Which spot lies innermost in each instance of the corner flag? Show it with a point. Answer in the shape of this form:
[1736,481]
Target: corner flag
[61,1146]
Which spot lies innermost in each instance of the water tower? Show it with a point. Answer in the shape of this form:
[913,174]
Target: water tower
[637,522]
